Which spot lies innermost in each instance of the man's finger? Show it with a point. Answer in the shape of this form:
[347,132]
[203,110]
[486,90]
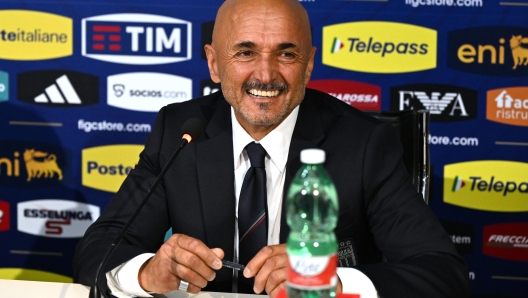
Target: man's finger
[253,267]
[198,248]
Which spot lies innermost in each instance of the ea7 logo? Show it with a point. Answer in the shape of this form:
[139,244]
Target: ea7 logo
[135,38]
[444,102]
[58,88]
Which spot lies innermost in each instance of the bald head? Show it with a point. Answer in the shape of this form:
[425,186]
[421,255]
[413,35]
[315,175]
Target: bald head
[232,12]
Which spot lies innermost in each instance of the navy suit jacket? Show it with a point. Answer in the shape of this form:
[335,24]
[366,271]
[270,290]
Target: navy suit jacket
[384,229]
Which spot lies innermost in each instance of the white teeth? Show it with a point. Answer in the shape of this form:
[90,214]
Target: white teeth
[264,93]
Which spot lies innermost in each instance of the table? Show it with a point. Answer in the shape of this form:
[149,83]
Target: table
[30,289]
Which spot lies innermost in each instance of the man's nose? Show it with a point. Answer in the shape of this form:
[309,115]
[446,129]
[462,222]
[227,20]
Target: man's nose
[266,68]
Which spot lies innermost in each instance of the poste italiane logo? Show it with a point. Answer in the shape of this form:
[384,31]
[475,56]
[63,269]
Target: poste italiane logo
[34,35]
[106,167]
[379,47]
[488,185]
[508,106]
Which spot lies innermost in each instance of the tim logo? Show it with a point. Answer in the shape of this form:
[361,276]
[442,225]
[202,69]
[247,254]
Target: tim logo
[135,38]
[55,218]
[58,88]
[496,51]
[445,102]
[4,216]
[508,106]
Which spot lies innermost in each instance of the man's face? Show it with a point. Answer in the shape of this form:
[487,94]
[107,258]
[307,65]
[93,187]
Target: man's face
[263,58]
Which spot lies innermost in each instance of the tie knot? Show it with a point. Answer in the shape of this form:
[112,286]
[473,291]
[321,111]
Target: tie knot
[256,154]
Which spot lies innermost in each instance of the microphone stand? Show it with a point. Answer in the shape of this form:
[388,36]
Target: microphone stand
[94,290]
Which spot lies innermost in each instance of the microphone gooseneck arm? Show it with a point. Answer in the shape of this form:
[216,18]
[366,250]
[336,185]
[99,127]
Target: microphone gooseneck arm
[193,132]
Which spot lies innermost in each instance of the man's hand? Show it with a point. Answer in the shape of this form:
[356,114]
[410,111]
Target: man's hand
[270,269]
[180,258]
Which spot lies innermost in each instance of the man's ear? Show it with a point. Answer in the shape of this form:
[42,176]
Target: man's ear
[211,63]
[309,66]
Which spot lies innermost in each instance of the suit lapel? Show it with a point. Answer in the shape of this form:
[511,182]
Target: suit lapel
[216,179]
[308,133]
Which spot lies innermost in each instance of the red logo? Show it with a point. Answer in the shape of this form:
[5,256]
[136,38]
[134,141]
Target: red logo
[507,241]
[4,216]
[362,96]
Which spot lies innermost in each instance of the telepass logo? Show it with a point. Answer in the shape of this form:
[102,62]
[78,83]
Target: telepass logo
[488,185]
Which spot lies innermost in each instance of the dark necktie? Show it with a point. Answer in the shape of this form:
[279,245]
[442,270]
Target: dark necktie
[252,211]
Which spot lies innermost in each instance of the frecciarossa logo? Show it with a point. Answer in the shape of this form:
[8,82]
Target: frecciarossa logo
[106,167]
[136,38]
[379,47]
[506,241]
[55,218]
[362,96]
[488,185]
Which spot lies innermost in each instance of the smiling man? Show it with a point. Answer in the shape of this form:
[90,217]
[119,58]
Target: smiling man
[262,55]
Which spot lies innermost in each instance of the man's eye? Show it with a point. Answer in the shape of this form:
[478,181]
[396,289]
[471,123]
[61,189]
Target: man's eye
[245,53]
[288,55]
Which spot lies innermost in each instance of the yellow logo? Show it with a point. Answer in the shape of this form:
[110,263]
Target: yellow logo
[34,35]
[41,164]
[489,185]
[106,167]
[379,47]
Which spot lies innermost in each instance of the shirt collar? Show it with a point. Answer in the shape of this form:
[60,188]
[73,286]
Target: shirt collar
[276,143]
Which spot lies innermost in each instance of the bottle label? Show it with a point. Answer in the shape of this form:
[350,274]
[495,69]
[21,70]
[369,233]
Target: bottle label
[312,271]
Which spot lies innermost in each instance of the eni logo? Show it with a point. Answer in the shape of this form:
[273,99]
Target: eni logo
[106,167]
[38,165]
[488,185]
[33,35]
[379,47]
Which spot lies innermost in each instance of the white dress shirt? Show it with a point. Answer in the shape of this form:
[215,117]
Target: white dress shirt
[123,281]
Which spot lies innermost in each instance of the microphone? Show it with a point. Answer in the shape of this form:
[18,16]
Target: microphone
[191,129]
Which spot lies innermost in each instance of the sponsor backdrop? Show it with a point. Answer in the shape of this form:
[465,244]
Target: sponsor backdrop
[80,84]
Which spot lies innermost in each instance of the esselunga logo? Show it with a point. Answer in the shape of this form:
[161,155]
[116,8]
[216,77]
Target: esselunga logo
[147,91]
[508,105]
[55,218]
[34,35]
[106,167]
[379,47]
[488,185]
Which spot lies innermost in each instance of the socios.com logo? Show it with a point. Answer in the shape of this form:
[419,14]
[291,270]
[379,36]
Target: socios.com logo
[106,167]
[4,86]
[147,91]
[379,47]
[55,218]
[508,105]
[136,38]
[489,185]
[34,35]
[495,51]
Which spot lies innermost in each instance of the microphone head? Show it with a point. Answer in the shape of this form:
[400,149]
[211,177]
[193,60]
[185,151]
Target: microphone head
[192,129]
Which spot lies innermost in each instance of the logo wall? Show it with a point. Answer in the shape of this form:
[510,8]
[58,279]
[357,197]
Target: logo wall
[379,47]
[55,218]
[462,235]
[506,241]
[362,96]
[106,167]
[147,91]
[494,51]
[4,86]
[444,102]
[58,88]
[25,164]
[4,216]
[34,35]
[508,105]
[488,185]
[135,38]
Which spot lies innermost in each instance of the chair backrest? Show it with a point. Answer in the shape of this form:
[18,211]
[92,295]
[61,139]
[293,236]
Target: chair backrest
[413,129]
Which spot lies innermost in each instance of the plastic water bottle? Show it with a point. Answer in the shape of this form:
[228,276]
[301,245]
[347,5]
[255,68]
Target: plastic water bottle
[312,211]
